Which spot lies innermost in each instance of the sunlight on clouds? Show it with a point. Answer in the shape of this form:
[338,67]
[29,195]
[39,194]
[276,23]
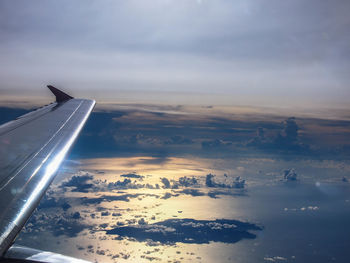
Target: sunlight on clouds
[172,167]
[95,199]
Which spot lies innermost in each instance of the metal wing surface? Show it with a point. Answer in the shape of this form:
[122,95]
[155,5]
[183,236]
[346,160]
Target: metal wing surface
[31,149]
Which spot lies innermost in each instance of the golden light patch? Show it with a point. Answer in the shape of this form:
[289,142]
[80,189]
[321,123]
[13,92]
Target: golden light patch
[172,167]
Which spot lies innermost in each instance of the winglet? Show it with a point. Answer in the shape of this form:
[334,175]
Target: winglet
[60,95]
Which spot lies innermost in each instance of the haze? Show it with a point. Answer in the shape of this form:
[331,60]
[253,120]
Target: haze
[246,52]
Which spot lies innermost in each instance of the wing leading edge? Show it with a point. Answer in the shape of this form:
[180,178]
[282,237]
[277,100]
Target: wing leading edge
[31,149]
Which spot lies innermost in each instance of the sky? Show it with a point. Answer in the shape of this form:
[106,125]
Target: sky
[251,52]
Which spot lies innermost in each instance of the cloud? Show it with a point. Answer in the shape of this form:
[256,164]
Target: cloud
[49,202]
[52,202]
[166,183]
[187,181]
[168,195]
[178,139]
[209,180]
[88,182]
[76,215]
[214,144]
[183,181]
[108,134]
[79,183]
[304,208]
[142,221]
[67,224]
[154,160]
[151,258]
[192,192]
[188,185]
[214,193]
[275,259]
[120,184]
[133,175]
[290,175]
[188,231]
[105,213]
[290,130]
[259,140]
[287,140]
[284,138]
[123,184]
[65,206]
[111,198]
[237,183]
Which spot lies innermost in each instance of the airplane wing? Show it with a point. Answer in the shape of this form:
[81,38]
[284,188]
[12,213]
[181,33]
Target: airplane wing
[31,149]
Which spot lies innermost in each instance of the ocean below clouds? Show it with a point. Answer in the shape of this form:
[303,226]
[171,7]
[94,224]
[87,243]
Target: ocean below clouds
[145,186]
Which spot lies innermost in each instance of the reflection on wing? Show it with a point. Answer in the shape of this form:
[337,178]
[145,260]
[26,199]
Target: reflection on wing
[31,149]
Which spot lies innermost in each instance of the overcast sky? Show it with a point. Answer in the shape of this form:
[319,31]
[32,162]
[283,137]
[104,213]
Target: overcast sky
[272,52]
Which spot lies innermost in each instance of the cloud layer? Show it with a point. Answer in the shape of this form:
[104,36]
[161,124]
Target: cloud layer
[138,132]
[188,231]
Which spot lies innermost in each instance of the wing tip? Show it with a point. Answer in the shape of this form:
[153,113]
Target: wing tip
[60,95]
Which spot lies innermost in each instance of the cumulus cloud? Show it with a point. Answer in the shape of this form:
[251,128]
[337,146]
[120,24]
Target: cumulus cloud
[126,183]
[291,129]
[49,202]
[237,183]
[183,181]
[105,213]
[120,184]
[53,202]
[290,175]
[188,186]
[287,139]
[188,231]
[79,183]
[209,180]
[166,183]
[68,224]
[187,181]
